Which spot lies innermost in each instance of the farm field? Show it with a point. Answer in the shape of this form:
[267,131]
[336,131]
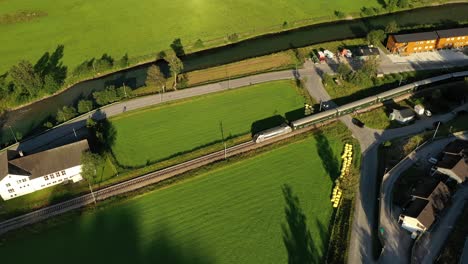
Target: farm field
[158,133]
[90,28]
[242,212]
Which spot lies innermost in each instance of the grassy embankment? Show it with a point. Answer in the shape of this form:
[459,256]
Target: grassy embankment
[264,208]
[182,130]
[209,22]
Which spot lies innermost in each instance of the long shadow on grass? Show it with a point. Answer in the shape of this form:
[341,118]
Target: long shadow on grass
[111,235]
[296,235]
[325,153]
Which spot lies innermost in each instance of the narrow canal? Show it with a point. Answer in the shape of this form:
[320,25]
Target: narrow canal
[30,117]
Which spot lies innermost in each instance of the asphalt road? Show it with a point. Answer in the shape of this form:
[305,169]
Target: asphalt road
[431,243]
[369,139]
[397,244]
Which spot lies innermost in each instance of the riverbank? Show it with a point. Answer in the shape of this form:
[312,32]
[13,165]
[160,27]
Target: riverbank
[210,56]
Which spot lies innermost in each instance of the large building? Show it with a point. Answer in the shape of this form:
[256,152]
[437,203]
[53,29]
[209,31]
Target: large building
[406,44]
[20,175]
[427,201]
[452,38]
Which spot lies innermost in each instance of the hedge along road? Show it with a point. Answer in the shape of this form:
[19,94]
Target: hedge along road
[30,117]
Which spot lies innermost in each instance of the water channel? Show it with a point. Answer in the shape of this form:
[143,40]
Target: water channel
[30,117]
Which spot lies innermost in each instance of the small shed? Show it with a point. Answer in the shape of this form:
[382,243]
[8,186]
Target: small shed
[419,109]
[402,116]
[365,52]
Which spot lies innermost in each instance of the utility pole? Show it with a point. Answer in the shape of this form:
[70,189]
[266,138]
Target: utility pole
[435,133]
[91,189]
[74,132]
[320,109]
[13,134]
[401,78]
[125,92]
[225,150]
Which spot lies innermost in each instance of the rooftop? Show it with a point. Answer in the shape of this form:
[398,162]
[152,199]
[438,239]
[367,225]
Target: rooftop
[416,37]
[366,51]
[456,147]
[49,161]
[425,210]
[454,32]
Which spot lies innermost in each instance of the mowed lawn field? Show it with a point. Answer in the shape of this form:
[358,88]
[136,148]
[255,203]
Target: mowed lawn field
[158,133]
[89,28]
[236,213]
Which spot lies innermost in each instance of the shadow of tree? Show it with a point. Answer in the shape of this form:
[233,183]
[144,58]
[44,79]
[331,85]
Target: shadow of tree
[51,65]
[325,153]
[296,235]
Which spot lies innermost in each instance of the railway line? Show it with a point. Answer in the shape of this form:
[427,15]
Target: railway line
[299,126]
[134,184]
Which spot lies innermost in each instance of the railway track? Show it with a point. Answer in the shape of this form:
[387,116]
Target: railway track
[132,184]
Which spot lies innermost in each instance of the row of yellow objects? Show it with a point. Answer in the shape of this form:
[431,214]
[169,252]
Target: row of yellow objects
[347,160]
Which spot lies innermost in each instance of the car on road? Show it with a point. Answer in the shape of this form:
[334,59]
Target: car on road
[357,122]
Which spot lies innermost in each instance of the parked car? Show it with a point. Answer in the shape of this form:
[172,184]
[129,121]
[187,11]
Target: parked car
[427,113]
[357,122]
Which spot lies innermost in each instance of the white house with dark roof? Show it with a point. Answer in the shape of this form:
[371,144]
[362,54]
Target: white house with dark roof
[20,175]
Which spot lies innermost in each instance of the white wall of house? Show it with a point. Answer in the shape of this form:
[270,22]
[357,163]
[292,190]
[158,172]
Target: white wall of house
[449,173]
[15,185]
[22,185]
[411,224]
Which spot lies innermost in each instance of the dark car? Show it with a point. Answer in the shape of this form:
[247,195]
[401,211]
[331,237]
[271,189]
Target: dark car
[357,122]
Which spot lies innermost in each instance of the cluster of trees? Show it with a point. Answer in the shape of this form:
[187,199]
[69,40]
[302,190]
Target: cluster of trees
[362,77]
[25,80]
[94,66]
[111,94]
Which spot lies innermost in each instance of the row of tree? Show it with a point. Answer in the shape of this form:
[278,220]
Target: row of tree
[25,80]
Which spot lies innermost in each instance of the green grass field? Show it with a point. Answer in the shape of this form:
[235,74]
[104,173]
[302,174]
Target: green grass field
[90,28]
[236,213]
[161,132]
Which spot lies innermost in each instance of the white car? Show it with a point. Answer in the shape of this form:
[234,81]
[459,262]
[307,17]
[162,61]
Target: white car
[427,113]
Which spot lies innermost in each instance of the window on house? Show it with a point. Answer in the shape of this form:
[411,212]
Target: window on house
[63,173]
[55,182]
[8,185]
[46,178]
[52,176]
[18,181]
[11,190]
[432,41]
[57,174]
[24,180]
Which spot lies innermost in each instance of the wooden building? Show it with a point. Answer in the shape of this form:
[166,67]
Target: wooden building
[410,43]
[406,44]
[452,38]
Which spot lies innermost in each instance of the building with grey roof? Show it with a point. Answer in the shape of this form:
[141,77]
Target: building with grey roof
[20,175]
[423,210]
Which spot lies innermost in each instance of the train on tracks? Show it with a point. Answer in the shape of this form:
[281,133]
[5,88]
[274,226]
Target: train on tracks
[320,118]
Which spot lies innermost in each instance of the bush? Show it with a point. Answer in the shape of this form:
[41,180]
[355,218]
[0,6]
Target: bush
[199,44]
[375,37]
[109,95]
[340,14]
[66,113]
[233,37]
[48,124]
[367,11]
[85,106]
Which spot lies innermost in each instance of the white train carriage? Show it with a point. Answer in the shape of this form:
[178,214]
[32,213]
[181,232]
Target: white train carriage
[272,133]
